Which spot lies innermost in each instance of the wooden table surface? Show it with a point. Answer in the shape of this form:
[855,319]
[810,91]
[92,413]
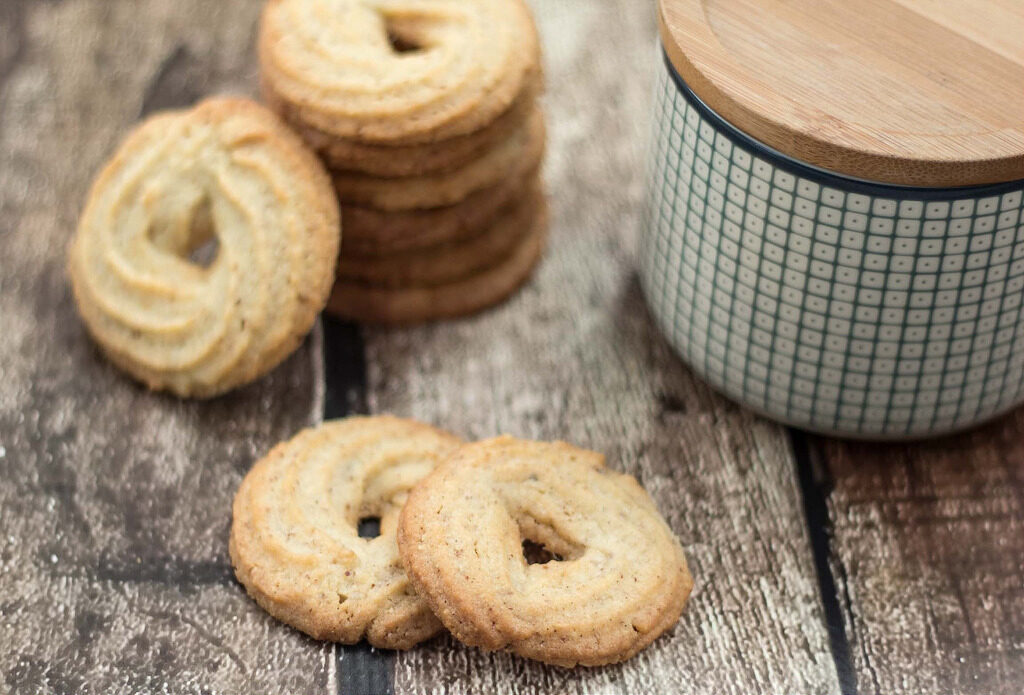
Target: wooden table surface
[820,566]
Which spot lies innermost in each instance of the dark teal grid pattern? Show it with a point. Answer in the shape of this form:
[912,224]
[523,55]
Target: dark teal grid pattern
[831,310]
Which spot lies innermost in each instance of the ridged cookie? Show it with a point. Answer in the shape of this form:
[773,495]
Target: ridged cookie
[362,302]
[350,154]
[448,262]
[510,158]
[294,534]
[227,170]
[370,232]
[344,67]
[621,579]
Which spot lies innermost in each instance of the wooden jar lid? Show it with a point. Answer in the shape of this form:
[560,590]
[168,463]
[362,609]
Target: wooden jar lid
[912,92]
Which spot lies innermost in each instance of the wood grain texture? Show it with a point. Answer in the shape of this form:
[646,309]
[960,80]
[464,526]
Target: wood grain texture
[575,356]
[114,502]
[928,551]
[914,92]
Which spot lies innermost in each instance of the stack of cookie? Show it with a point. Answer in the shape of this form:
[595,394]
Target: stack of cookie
[426,115]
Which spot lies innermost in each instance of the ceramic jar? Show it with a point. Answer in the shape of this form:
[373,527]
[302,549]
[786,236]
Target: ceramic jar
[824,300]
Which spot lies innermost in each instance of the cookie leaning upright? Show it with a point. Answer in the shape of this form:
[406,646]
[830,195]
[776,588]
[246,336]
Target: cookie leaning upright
[227,171]
[294,534]
[619,578]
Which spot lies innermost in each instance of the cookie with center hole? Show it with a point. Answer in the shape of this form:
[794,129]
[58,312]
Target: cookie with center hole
[295,542]
[614,578]
[396,72]
[206,249]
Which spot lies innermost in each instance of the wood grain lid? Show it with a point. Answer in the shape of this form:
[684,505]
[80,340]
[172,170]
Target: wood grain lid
[911,92]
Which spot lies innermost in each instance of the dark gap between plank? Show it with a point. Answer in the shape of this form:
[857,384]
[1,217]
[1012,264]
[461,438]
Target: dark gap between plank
[362,670]
[815,486]
[344,369]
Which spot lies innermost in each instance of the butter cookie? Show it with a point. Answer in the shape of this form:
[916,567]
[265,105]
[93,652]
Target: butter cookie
[229,179]
[294,539]
[617,578]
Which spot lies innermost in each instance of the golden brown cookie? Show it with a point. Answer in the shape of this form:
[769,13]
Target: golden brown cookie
[510,158]
[617,581]
[395,71]
[370,232]
[447,262]
[468,295]
[294,534]
[227,171]
[349,154]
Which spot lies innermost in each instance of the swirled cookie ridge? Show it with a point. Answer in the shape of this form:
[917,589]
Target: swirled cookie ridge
[227,172]
[619,578]
[345,67]
[294,537]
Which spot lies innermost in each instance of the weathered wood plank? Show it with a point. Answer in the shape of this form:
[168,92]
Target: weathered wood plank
[361,669]
[575,356]
[115,503]
[928,545]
